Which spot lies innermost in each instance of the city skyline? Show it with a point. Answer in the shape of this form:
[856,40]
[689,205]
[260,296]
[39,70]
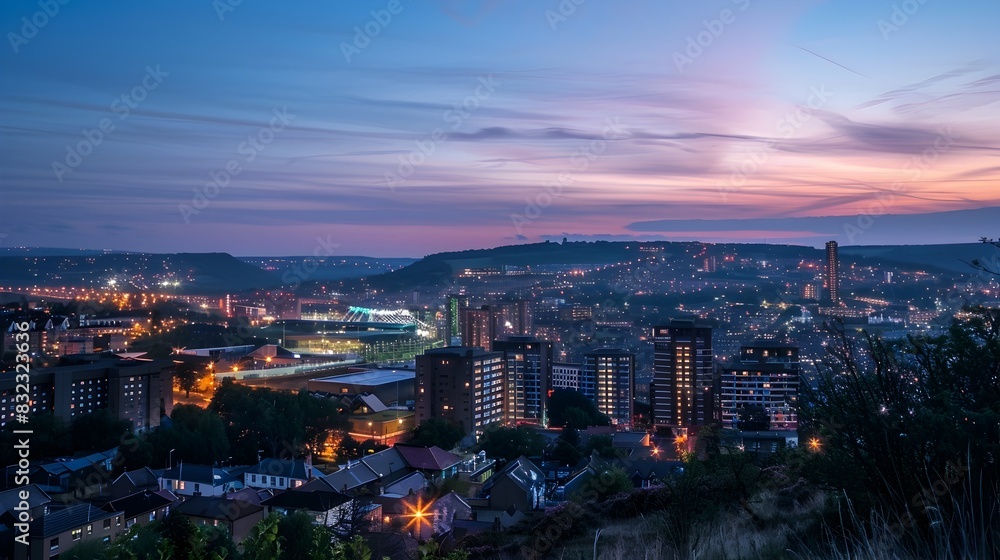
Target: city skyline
[256,130]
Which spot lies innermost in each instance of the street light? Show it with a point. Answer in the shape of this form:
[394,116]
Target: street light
[171,458]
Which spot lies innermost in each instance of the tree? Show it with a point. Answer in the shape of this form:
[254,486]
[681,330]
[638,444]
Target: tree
[992,268]
[603,485]
[508,444]
[604,446]
[348,449]
[353,520]
[570,407]
[439,432]
[140,542]
[197,434]
[570,436]
[97,431]
[370,446]
[566,453]
[279,422]
[264,542]
[180,538]
[914,421]
[87,550]
[187,376]
[303,539]
[135,452]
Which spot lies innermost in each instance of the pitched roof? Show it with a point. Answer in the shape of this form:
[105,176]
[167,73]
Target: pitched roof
[372,402]
[216,508]
[414,481]
[281,467]
[428,458]
[201,474]
[10,498]
[140,477]
[632,439]
[351,477]
[319,500]
[652,469]
[141,502]
[522,471]
[385,462]
[61,520]
[250,495]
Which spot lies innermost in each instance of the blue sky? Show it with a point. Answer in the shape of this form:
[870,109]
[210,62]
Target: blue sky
[516,121]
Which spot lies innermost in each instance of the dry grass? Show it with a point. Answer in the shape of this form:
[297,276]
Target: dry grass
[732,536]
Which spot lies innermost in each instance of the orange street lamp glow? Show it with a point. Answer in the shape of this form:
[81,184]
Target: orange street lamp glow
[418,514]
[814,444]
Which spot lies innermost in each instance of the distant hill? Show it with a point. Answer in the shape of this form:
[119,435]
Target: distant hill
[49,252]
[951,258]
[437,270]
[195,272]
[331,268]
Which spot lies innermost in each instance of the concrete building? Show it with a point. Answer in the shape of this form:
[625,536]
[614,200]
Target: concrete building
[529,368]
[389,385]
[461,384]
[565,375]
[764,375]
[831,279]
[683,387]
[611,373]
[140,391]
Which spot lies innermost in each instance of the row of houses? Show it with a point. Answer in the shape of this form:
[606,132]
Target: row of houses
[397,489]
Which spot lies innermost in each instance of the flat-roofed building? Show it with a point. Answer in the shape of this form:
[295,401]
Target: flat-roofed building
[133,389]
[766,377]
[461,384]
[389,385]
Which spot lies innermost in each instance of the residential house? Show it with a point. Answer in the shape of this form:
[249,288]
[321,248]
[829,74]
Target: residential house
[629,440]
[238,517]
[77,478]
[767,442]
[31,499]
[520,484]
[144,506]
[199,480]
[59,530]
[646,473]
[130,482]
[434,462]
[326,507]
[411,483]
[278,474]
[371,472]
[354,477]
[446,509]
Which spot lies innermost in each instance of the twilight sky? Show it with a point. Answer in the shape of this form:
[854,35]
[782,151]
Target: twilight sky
[401,127]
